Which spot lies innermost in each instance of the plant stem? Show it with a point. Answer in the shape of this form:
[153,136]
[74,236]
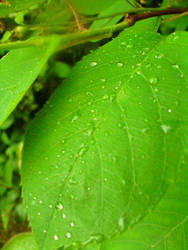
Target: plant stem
[69,40]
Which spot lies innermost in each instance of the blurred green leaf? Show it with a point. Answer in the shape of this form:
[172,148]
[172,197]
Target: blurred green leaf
[12,6]
[18,69]
[23,241]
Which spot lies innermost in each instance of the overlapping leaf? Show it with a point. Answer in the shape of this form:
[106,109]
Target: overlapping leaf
[101,154]
[18,70]
[12,6]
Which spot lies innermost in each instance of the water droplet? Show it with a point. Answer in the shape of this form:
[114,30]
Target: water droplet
[56,237]
[68,235]
[72,224]
[119,64]
[105,179]
[50,206]
[169,110]
[181,75]
[138,72]
[103,79]
[96,238]
[175,66]
[34,198]
[76,244]
[72,180]
[105,97]
[63,216]
[165,128]
[40,201]
[89,94]
[75,118]
[89,132]
[121,224]
[129,46]
[38,213]
[44,231]
[123,182]
[148,65]
[59,206]
[93,64]
[153,80]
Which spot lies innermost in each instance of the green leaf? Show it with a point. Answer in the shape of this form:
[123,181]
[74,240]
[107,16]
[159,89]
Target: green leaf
[117,6]
[21,241]
[102,152]
[91,7]
[164,228]
[11,6]
[18,70]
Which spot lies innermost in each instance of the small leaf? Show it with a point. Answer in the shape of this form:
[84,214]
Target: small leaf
[11,6]
[118,6]
[102,152]
[18,70]
[21,241]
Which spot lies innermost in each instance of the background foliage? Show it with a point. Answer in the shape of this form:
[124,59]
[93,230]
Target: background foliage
[155,58]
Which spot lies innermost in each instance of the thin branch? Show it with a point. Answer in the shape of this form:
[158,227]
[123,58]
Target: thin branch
[69,40]
[76,16]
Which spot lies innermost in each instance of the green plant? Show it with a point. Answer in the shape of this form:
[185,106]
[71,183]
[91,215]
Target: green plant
[105,160]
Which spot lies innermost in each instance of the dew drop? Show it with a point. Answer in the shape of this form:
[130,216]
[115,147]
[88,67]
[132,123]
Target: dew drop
[121,224]
[59,206]
[68,235]
[72,224]
[103,80]
[72,181]
[38,213]
[165,128]
[75,118]
[123,182]
[63,216]
[56,237]
[96,238]
[169,110]
[153,80]
[175,66]
[50,206]
[93,64]
[105,97]
[44,231]
[181,75]
[89,132]
[119,64]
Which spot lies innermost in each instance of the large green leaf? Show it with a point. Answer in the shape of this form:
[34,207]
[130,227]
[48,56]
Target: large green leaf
[164,228]
[18,70]
[102,152]
[12,6]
